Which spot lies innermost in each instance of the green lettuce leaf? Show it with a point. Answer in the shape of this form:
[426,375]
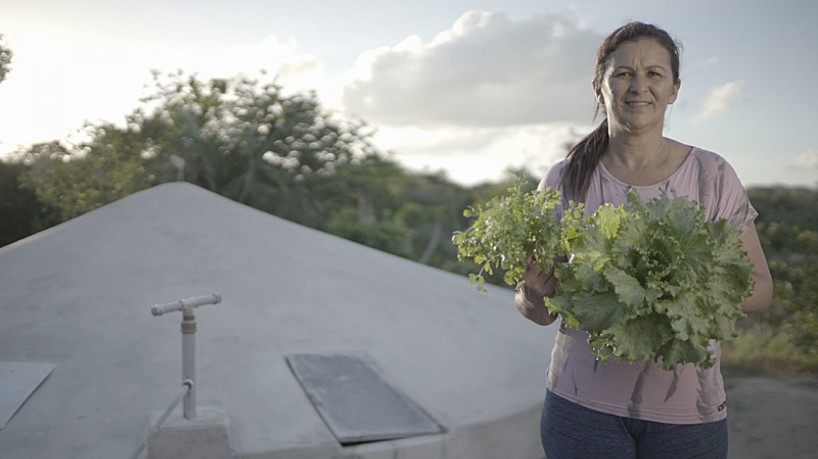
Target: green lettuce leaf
[671,281]
[648,281]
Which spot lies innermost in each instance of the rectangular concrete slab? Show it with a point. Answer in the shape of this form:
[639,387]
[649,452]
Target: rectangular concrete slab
[18,380]
[356,402]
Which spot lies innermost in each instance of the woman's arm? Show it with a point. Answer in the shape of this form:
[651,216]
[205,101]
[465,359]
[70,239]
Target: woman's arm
[762,294]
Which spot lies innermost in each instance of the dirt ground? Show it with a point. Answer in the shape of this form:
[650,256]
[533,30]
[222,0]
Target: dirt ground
[772,417]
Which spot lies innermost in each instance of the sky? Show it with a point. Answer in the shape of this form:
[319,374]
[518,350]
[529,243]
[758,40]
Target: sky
[468,87]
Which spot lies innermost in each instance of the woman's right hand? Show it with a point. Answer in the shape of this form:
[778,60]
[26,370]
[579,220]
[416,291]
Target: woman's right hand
[535,278]
[537,284]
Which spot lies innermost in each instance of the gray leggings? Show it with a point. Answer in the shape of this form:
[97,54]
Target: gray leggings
[569,430]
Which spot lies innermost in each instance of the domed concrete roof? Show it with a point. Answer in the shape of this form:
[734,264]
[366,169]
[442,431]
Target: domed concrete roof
[78,296]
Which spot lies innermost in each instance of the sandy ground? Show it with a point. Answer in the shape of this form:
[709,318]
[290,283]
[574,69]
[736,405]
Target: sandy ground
[773,417]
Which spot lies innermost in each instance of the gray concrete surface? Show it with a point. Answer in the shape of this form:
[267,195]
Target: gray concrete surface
[203,437]
[772,417]
[79,296]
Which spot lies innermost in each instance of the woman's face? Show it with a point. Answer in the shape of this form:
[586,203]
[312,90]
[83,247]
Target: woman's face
[638,85]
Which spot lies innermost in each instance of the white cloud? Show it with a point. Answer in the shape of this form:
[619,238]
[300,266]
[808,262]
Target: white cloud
[807,159]
[294,70]
[719,100]
[476,154]
[485,71]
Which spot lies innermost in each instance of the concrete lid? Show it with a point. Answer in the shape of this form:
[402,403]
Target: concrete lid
[79,296]
[18,380]
[356,402]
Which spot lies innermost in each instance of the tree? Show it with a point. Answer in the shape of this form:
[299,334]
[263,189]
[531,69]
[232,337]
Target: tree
[797,206]
[20,212]
[5,60]
[241,138]
[784,337]
[251,142]
[73,181]
[374,198]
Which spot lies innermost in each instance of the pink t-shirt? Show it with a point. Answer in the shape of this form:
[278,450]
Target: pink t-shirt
[689,394]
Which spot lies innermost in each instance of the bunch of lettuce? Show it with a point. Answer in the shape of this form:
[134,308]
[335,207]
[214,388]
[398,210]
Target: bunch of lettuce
[648,281]
[653,281]
[507,230]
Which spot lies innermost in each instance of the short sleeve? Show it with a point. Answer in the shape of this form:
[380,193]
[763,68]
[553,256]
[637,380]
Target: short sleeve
[732,202]
[553,176]
[552,180]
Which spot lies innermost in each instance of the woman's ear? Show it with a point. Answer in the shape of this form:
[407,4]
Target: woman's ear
[597,92]
[675,94]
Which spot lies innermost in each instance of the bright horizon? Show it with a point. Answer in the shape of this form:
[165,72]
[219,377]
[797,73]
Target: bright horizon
[469,87]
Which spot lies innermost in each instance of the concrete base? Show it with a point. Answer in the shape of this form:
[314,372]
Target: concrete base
[205,437]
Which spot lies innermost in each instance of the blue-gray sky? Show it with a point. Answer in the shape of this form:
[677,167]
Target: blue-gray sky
[471,87]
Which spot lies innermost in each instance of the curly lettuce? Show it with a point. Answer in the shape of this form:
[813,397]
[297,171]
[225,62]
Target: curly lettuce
[648,281]
[653,281]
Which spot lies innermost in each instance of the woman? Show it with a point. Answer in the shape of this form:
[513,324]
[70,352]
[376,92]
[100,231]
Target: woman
[617,409]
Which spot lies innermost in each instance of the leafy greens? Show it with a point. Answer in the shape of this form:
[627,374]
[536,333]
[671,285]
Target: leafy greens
[507,230]
[646,280]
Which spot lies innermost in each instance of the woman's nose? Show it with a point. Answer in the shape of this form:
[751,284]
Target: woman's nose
[638,84]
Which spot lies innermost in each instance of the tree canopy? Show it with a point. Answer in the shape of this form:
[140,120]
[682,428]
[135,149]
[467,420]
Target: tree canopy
[252,142]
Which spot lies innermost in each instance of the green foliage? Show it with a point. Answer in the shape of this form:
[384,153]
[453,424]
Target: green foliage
[507,230]
[785,239]
[420,208]
[768,350]
[386,235]
[21,213]
[253,143]
[72,183]
[241,138]
[784,338]
[647,280]
[654,280]
[5,60]
[793,206]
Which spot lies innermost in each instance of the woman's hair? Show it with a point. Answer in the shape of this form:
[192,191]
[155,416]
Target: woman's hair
[584,157]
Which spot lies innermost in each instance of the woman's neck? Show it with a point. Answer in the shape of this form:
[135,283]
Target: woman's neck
[643,160]
[637,152]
